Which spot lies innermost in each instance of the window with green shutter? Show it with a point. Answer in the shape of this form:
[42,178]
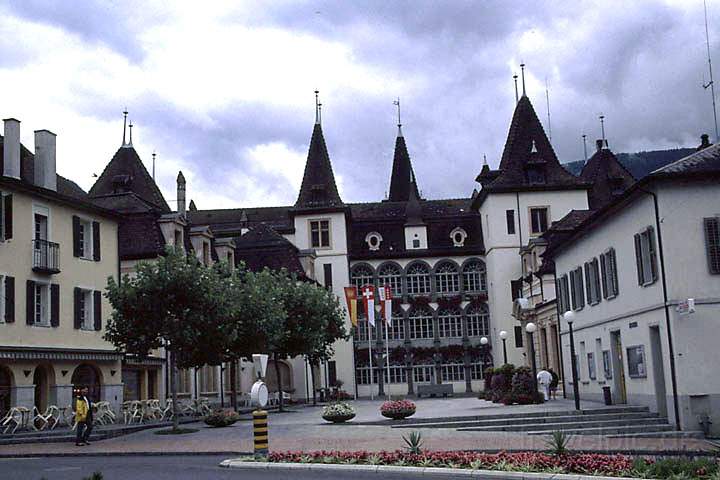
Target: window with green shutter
[712,243]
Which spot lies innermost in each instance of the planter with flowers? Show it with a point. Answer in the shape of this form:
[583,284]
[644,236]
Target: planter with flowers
[397,410]
[338,412]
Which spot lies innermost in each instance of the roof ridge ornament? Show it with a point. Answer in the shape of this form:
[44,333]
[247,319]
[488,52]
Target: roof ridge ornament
[533,149]
[130,144]
[522,73]
[125,114]
[399,124]
[318,105]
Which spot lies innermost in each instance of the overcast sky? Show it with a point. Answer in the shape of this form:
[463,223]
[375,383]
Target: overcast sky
[224,89]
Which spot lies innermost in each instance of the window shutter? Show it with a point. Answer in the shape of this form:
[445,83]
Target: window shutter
[9,299]
[558,296]
[8,216]
[77,248]
[596,279]
[652,252]
[588,282]
[96,241]
[2,208]
[604,274]
[30,304]
[581,293]
[518,337]
[77,320]
[97,310]
[638,258]
[573,287]
[614,274]
[54,305]
[712,243]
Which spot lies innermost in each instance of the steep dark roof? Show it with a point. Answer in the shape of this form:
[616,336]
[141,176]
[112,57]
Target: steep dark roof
[402,180]
[140,236]
[263,247]
[70,189]
[126,172]
[235,219]
[609,178]
[706,160]
[528,161]
[413,208]
[318,189]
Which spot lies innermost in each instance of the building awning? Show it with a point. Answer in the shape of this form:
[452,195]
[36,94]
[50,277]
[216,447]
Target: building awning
[147,361]
[26,353]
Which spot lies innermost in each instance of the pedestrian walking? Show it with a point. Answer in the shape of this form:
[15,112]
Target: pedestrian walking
[554,383]
[544,378]
[83,418]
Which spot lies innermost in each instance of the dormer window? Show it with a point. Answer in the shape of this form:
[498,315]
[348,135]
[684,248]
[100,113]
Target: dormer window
[373,239]
[317,193]
[535,175]
[320,233]
[178,239]
[458,236]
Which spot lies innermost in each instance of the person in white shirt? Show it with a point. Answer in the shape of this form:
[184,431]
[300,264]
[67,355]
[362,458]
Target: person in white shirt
[544,378]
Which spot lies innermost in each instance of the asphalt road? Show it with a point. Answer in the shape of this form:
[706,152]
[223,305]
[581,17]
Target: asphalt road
[143,468]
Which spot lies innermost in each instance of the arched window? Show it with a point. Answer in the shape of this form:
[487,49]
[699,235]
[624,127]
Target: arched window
[361,275]
[478,321]
[449,323]
[474,277]
[418,279]
[446,278]
[421,323]
[397,327]
[390,274]
[87,376]
[6,381]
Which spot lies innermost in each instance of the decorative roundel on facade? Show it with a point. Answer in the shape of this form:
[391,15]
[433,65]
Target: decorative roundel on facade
[373,239]
[458,236]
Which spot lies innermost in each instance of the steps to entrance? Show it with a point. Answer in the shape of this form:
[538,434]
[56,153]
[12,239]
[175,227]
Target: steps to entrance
[614,421]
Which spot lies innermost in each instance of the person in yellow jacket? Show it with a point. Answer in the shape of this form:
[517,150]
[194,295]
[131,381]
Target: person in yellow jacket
[83,418]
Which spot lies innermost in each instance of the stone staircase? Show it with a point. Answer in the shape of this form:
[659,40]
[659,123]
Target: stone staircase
[619,421]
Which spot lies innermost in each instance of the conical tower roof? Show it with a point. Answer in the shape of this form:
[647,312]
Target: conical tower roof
[402,178]
[126,173]
[318,189]
[609,178]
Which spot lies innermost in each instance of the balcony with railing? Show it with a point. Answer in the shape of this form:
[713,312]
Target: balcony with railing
[46,256]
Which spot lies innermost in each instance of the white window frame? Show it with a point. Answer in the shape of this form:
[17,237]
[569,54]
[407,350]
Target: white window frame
[450,323]
[418,283]
[398,374]
[364,279]
[397,328]
[421,326]
[394,279]
[87,238]
[474,274]
[447,278]
[478,322]
[608,266]
[592,366]
[39,209]
[452,372]
[319,222]
[423,374]
[646,256]
[88,321]
[45,301]
[711,229]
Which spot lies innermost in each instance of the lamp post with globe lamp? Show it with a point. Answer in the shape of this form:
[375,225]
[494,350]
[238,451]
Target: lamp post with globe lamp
[569,317]
[531,328]
[503,337]
[487,358]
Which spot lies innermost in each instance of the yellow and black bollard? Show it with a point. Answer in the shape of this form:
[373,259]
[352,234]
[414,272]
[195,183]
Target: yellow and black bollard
[260,432]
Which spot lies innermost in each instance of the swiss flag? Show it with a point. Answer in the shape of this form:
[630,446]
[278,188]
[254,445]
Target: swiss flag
[368,294]
[386,303]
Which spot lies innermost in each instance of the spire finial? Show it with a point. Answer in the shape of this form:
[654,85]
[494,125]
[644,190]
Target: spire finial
[522,73]
[547,98]
[130,142]
[584,137]
[399,124]
[515,77]
[484,160]
[153,155]
[125,114]
[602,126]
[317,107]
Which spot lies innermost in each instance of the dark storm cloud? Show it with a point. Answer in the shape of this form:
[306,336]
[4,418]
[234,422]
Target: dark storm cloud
[639,63]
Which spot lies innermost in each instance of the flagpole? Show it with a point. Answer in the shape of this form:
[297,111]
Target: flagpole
[387,353]
[372,397]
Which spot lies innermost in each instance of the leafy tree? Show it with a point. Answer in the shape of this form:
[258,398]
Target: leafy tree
[174,302]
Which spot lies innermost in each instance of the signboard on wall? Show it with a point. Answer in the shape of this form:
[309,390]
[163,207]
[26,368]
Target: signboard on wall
[686,307]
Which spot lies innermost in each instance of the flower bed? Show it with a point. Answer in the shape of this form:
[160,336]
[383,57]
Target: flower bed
[581,463]
[397,409]
[338,412]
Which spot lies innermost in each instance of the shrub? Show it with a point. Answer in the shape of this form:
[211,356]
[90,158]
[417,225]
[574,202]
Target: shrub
[414,443]
[487,378]
[221,418]
[558,443]
[397,409]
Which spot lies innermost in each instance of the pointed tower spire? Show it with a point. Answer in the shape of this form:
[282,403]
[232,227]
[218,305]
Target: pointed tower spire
[125,114]
[130,142]
[399,124]
[413,209]
[522,73]
[318,189]
[402,179]
[153,165]
[515,77]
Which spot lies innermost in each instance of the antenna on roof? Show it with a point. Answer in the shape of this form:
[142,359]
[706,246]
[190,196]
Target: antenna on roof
[317,108]
[125,114]
[710,83]
[399,124]
[547,98]
[515,77]
[602,126]
[584,137]
[522,73]
[484,160]
[130,142]
[153,155]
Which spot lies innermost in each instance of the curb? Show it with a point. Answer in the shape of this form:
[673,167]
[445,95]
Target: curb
[411,472]
[122,454]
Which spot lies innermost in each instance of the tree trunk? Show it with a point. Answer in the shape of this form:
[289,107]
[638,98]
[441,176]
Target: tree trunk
[233,384]
[314,388]
[278,375]
[173,390]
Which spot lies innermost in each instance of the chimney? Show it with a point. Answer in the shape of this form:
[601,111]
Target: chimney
[45,172]
[181,193]
[599,144]
[11,148]
[704,141]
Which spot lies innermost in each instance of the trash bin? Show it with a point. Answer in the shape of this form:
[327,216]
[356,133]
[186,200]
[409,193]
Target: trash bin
[607,395]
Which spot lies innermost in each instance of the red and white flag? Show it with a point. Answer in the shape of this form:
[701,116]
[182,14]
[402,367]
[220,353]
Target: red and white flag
[386,303]
[368,294]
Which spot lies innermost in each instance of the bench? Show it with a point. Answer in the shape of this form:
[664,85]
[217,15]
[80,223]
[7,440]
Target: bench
[443,389]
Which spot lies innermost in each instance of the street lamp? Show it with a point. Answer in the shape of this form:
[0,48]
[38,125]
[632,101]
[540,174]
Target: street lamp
[503,337]
[484,342]
[530,328]
[569,317]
